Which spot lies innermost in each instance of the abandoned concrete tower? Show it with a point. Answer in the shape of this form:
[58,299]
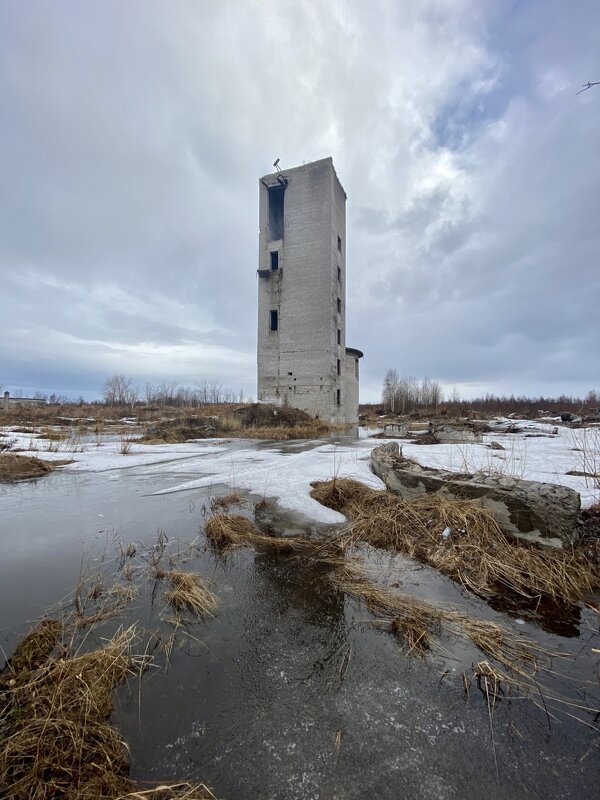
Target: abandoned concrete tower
[303,360]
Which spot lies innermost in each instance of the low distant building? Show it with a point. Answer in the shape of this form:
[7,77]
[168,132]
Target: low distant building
[302,356]
[8,401]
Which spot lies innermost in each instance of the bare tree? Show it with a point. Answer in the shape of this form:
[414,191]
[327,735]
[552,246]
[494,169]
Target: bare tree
[119,391]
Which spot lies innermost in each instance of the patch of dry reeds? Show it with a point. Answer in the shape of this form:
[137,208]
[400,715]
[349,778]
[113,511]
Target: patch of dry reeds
[419,622]
[177,791]
[189,592]
[226,531]
[461,540]
[15,467]
[310,430]
[58,742]
[234,498]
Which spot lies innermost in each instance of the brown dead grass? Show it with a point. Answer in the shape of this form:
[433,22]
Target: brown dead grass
[178,791]
[224,501]
[226,531]
[55,706]
[476,554]
[15,467]
[419,624]
[309,430]
[189,592]
[58,741]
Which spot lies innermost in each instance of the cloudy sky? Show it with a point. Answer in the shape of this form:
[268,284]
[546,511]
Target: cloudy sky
[132,136]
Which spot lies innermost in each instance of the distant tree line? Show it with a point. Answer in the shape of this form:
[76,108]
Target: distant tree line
[119,390]
[404,395]
[401,395]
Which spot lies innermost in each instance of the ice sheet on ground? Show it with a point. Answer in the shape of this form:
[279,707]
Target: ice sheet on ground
[286,476]
[285,469]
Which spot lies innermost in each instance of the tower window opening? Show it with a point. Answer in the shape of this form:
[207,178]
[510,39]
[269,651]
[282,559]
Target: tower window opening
[339,306]
[339,397]
[340,244]
[273,320]
[274,260]
[339,336]
[356,368]
[276,196]
[339,274]
[339,367]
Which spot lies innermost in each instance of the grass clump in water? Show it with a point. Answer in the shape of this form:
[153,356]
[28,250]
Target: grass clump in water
[15,467]
[461,540]
[234,498]
[57,740]
[226,531]
[190,593]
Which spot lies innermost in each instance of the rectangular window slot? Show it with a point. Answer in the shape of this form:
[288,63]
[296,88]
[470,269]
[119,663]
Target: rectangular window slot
[340,244]
[276,195]
[339,367]
[274,260]
[339,306]
[339,336]
[339,397]
[339,274]
[274,320]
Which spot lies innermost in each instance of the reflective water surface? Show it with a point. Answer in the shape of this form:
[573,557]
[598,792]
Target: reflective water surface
[290,691]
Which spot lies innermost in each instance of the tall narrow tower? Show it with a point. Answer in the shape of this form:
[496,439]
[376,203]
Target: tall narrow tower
[302,357]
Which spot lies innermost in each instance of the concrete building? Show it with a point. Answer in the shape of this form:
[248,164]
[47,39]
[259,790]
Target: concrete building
[302,356]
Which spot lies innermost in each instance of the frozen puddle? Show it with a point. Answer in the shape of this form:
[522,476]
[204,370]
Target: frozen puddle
[289,691]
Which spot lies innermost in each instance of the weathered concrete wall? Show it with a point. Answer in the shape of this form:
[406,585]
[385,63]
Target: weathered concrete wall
[298,363]
[351,384]
[541,512]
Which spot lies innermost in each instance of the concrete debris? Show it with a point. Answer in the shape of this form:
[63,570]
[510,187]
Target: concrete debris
[544,513]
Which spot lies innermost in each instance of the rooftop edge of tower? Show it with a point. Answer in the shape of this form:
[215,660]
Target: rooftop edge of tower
[273,176]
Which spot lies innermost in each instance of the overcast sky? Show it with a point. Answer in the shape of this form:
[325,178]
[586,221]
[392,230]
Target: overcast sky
[133,134]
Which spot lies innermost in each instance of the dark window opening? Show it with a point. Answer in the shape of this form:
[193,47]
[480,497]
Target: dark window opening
[274,321]
[339,244]
[356,368]
[339,274]
[276,195]
[275,260]
[339,397]
[339,336]
[339,305]
[339,367]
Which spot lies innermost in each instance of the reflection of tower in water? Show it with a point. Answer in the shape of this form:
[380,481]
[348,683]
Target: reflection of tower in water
[294,626]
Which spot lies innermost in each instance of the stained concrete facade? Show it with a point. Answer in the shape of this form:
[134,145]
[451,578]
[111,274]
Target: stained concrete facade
[302,357]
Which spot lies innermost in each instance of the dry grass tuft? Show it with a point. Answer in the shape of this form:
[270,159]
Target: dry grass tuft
[31,652]
[57,739]
[419,622]
[474,551]
[14,467]
[55,707]
[226,531]
[310,430]
[190,593]
[177,791]
[234,498]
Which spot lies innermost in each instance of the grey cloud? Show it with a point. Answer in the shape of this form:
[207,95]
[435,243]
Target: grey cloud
[132,137]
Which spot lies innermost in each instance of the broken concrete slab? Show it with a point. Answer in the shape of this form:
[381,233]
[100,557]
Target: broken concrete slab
[544,513]
[448,434]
